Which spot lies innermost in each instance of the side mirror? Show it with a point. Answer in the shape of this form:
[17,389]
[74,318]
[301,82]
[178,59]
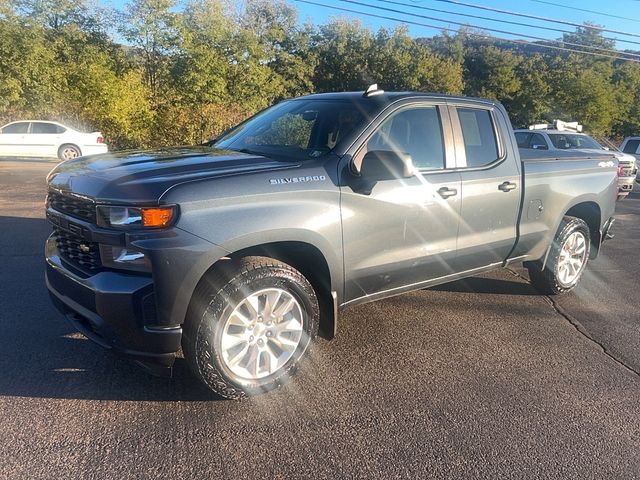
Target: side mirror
[386,165]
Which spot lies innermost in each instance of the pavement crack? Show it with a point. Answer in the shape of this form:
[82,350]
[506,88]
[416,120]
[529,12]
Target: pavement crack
[579,327]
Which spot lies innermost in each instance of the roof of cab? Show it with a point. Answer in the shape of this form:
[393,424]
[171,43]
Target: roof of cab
[389,97]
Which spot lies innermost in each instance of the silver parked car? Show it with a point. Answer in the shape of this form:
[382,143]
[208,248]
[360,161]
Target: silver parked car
[562,140]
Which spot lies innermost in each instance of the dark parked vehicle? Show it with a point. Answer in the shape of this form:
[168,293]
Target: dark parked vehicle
[242,250]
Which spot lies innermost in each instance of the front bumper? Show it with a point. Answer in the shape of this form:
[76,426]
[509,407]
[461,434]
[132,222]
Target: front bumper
[116,310]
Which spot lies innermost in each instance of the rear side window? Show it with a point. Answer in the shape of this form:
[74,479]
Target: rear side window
[480,144]
[631,146]
[416,131]
[41,127]
[21,127]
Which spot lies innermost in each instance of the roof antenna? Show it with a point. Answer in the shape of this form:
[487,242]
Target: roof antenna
[372,90]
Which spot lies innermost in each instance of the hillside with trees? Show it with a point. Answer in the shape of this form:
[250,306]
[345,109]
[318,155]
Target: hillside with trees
[155,75]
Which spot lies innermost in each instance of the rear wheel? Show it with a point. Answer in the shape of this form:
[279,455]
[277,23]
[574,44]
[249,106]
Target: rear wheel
[68,152]
[567,260]
[249,325]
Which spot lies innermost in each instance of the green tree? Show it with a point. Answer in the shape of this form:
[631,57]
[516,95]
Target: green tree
[283,46]
[402,63]
[582,91]
[531,103]
[150,26]
[626,78]
[589,35]
[492,73]
[343,49]
[30,79]
[201,67]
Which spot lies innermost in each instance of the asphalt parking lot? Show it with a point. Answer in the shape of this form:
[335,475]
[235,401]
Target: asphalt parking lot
[482,378]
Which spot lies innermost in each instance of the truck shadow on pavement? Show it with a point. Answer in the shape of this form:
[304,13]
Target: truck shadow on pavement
[493,286]
[43,356]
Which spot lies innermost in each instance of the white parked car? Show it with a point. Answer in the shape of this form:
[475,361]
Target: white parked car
[36,138]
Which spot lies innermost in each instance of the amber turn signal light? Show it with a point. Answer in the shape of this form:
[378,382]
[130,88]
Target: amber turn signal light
[157,217]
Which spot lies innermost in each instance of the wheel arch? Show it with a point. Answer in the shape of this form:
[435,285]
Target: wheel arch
[304,257]
[587,210]
[590,212]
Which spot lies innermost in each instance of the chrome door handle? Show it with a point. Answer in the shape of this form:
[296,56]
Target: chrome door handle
[507,186]
[446,192]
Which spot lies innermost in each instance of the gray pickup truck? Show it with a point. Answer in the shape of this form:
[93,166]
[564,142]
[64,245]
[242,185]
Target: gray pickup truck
[241,251]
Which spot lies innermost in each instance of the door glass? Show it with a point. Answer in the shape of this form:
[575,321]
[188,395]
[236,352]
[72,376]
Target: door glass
[631,146]
[537,141]
[522,138]
[480,143]
[416,131]
[22,127]
[41,127]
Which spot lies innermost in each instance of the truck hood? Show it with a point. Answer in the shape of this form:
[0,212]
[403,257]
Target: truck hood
[142,177]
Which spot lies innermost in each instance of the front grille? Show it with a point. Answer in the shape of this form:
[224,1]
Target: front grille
[77,207]
[76,251]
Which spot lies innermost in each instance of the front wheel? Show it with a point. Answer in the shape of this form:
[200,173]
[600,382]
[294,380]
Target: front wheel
[567,259]
[248,326]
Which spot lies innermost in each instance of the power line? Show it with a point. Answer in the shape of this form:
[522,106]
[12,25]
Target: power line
[440,28]
[588,11]
[535,17]
[532,37]
[421,7]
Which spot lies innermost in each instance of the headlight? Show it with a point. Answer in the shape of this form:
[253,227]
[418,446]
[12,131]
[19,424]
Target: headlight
[122,257]
[136,217]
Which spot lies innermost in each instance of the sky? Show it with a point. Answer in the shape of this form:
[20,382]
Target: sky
[564,10]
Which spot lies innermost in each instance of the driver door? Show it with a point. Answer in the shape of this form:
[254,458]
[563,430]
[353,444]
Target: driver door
[403,231]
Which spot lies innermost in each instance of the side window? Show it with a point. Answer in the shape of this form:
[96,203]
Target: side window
[20,127]
[41,127]
[631,146]
[480,143]
[416,131]
[538,142]
[522,138]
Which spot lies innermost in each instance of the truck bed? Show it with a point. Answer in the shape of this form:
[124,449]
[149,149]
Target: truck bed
[554,183]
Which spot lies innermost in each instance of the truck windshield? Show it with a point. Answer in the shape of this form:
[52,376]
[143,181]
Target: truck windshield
[567,141]
[296,129]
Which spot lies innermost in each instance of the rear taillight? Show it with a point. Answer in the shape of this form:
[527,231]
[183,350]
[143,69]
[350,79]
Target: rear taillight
[100,140]
[620,171]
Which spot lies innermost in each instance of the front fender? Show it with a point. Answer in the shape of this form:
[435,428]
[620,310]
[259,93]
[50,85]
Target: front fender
[236,227]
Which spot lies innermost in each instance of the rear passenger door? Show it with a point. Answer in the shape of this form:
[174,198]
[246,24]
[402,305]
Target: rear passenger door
[44,138]
[490,185]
